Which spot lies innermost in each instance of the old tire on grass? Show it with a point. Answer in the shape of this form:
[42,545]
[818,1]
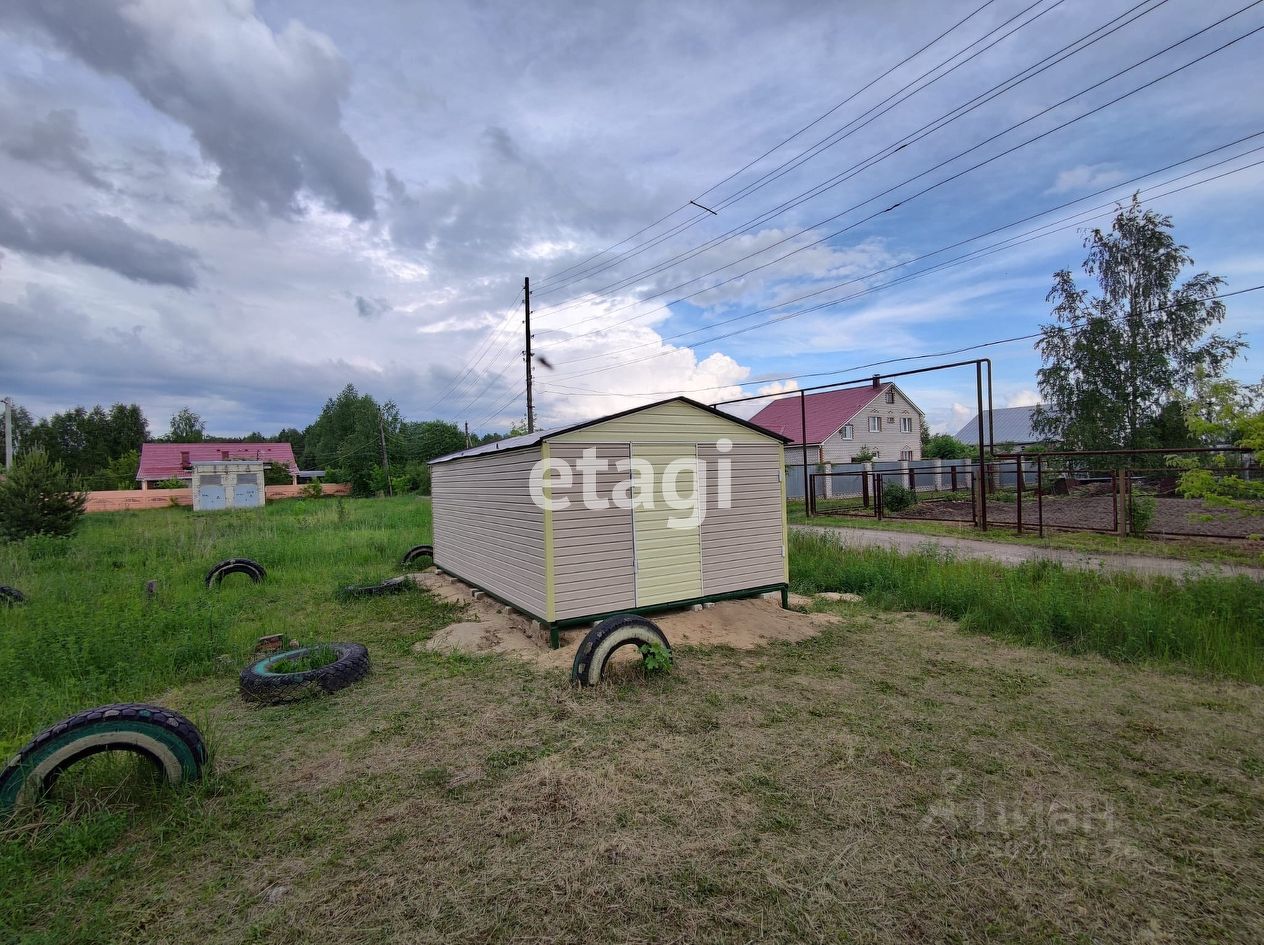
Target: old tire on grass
[11,595]
[419,551]
[390,586]
[162,736]
[253,569]
[621,630]
[260,684]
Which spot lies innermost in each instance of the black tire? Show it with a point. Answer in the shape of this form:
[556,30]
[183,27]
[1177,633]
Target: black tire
[259,684]
[390,586]
[162,736]
[621,630]
[253,569]
[11,595]
[419,551]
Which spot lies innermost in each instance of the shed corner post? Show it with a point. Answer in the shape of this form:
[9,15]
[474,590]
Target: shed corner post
[785,597]
[555,639]
[550,599]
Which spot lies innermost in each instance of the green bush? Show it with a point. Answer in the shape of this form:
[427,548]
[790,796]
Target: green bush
[311,490]
[1142,514]
[897,498]
[172,483]
[39,497]
[277,474]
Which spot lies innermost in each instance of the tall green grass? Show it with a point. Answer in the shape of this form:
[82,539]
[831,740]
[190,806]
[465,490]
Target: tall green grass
[88,635]
[1211,625]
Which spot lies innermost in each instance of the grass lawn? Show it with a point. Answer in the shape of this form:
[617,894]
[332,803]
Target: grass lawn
[891,780]
[1245,552]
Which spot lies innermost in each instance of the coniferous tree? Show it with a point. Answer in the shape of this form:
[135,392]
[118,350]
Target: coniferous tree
[39,497]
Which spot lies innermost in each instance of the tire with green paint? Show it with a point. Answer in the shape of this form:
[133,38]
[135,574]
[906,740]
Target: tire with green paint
[165,738]
[419,551]
[253,569]
[598,646]
[11,595]
[261,685]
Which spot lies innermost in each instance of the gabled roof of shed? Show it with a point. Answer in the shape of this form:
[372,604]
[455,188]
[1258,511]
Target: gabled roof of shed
[527,440]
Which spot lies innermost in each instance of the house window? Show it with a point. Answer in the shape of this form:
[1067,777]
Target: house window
[890,396]
[875,424]
[849,431]
[906,454]
[906,424]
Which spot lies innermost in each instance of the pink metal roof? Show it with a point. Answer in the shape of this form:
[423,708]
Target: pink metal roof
[827,411]
[166,460]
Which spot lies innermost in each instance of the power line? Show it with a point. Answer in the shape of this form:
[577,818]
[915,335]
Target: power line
[548,280]
[474,362]
[877,157]
[973,255]
[971,239]
[817,147]
[910,357]
[487,386]
[954,176]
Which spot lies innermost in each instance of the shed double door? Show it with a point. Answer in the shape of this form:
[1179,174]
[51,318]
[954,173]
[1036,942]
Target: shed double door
[668,558]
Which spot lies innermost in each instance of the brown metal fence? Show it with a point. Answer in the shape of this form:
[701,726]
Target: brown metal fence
[1050,492]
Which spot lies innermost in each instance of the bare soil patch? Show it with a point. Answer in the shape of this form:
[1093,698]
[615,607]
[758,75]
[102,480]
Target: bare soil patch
[740,624]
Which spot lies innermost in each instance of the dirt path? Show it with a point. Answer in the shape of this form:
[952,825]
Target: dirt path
[1016,554]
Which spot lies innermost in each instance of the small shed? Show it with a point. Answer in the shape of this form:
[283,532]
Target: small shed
[654,508]
[228,484]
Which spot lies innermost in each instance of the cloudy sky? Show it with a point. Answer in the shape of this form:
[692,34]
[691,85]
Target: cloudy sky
[244,206]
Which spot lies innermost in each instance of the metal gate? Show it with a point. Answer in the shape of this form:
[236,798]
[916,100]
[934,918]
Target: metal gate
[245,494]
[211,497]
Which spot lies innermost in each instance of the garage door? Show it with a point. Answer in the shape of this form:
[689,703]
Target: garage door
[211,497]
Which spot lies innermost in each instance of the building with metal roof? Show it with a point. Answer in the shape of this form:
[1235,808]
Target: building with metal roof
[657,507]
[1008,425]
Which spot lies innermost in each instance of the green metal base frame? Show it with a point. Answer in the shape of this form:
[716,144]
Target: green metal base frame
[557,625]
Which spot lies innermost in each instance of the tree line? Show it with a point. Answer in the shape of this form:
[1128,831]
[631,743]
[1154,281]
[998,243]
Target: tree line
[99,447]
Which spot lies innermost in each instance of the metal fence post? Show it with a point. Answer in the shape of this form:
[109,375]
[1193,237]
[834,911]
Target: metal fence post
[1040,496]
[1018,494]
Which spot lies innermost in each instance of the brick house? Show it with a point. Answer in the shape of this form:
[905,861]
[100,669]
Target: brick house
[843,423]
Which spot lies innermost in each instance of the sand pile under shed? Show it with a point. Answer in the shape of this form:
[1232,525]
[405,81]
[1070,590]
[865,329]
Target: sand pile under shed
[494,628]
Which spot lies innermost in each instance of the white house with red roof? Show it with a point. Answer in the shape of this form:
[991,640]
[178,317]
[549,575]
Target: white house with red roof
[844,423]
[162,461]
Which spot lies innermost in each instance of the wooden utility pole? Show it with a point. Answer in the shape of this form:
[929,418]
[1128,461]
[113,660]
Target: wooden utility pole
[526,298]
[386,461]
[8,433]
[467,434]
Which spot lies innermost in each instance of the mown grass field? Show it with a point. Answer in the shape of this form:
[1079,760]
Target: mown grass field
[892,780]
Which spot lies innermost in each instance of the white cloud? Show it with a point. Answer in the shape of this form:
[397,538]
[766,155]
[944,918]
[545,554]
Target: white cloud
[1023,398]
[1086,177]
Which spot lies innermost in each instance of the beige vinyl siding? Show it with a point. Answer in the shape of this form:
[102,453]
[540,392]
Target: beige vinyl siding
[889,443]
[672,422]
[594,568]
[742,546]
[487,529]
[668,560]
